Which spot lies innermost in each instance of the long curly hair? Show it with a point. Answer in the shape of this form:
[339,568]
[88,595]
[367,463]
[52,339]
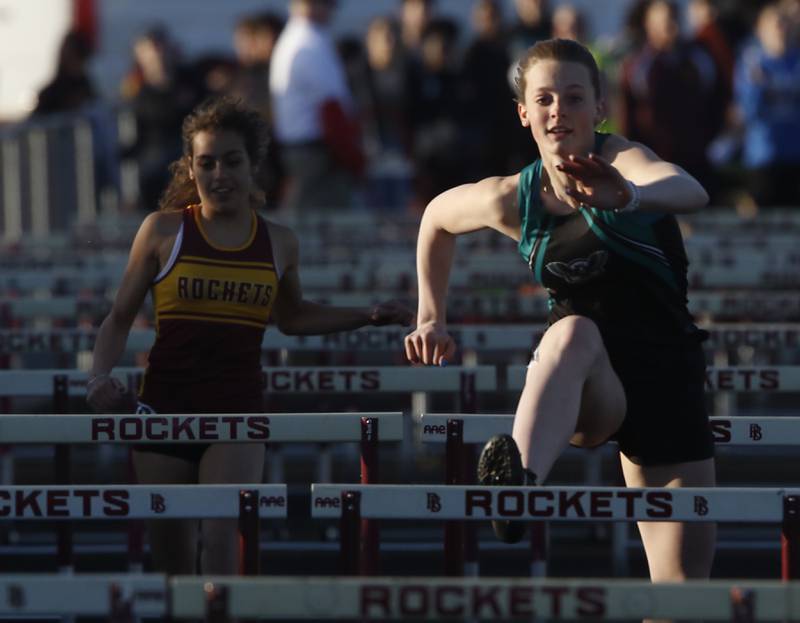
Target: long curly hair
[214,114]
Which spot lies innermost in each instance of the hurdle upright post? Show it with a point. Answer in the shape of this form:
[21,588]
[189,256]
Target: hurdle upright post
[539,548]
[121,610]
[469,404]
[249,528]
[350,533]
[743,605]
[63,473]
[135,526]
[370,474]
[454,531]
[135,529]
[790,538]
[217,600]
[6,320]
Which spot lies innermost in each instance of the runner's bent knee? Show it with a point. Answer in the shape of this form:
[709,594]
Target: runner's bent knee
[576,338]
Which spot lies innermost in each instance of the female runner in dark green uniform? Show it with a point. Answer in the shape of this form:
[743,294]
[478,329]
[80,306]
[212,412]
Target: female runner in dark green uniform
[622,359]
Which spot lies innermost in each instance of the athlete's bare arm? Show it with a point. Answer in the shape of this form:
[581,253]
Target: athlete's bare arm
[296,316]
[662,186]
[154,238]
[492,203]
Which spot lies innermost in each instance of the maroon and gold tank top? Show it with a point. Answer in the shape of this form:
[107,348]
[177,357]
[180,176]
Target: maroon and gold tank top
[212,305]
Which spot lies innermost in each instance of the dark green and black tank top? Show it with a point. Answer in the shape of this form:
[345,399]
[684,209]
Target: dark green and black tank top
[625,271]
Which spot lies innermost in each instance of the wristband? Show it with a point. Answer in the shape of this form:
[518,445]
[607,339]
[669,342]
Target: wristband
[96,377]
[633,203]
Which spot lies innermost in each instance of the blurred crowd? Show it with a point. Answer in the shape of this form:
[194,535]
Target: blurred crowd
[414,106]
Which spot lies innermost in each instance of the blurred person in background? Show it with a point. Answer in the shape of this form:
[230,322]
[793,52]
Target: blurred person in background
[672,96]
[627,42]
[71,88]
[352,54]
[436,114]
[791,9]
[415,15]
[254,40]
[314,113]
[488,101]
[384,102]
[160,91]
[570,23]
[707,31]
[72,94]
[767,87]
[533,23]
[216,73]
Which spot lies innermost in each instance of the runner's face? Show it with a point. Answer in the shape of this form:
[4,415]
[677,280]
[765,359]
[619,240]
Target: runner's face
[221,170]
[560,107]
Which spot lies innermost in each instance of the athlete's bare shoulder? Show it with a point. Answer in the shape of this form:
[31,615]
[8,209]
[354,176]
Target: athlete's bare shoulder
[280,234]
[616,146]
[284,244]
[158,232]
[499,194]
[507,188]
[490,202]
[162,223]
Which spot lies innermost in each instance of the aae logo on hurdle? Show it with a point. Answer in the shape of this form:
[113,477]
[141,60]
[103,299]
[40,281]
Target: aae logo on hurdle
[553,503]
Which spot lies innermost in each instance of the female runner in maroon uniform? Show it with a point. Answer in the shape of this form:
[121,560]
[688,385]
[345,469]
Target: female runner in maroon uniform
[218,272]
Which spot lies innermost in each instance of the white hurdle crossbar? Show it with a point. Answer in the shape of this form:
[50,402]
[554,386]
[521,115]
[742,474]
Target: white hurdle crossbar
[110,502]
[761,379]
[489,599]
[448,503]
[729,431]
[369,429]
[194,428]
[766,305]
[99,595]
[378,379]
[476,503]
[394,598]
[333,379]
[511,337]
[459,430]
[249,503]
[748,270]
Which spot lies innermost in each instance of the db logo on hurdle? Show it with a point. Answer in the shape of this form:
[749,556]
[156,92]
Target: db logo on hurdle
[755,432]
[700,506]
[16,596]
[434,503]
[157,503]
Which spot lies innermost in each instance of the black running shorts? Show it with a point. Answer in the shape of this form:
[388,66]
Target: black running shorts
[166,398]
[666,420]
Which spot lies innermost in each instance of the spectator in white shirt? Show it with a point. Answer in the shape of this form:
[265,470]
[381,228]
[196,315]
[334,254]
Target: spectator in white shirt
[315,124]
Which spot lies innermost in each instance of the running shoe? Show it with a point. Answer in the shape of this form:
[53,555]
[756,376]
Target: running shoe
[500,465]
